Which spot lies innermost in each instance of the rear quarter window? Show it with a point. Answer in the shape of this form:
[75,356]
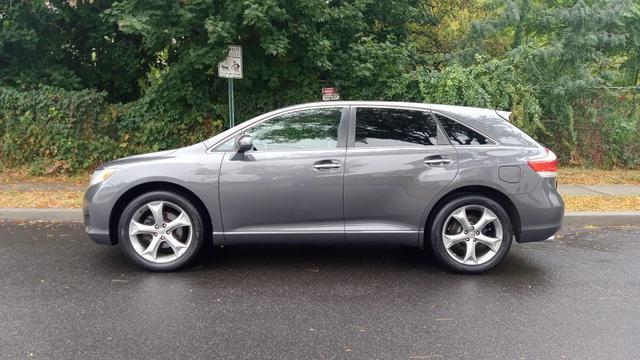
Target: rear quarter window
[460,134]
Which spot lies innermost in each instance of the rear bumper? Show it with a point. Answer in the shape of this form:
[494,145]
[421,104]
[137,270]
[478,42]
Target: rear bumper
[539,234]
[541,212]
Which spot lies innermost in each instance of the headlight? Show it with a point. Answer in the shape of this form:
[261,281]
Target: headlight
[99,176]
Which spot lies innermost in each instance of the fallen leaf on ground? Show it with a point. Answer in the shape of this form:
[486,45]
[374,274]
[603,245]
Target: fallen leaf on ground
[601,203]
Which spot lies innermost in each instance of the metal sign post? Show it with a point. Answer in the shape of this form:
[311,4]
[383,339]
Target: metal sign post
[231,68]
[232,106]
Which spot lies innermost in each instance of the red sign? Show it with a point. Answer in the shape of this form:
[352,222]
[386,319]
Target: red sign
[328,91]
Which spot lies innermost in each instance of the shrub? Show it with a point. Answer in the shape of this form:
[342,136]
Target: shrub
[55,130]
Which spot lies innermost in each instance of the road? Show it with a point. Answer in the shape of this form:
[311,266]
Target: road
[61,296]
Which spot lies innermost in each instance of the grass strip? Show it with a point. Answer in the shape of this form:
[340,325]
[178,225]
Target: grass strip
[601,203]
[41,199]
[582,176]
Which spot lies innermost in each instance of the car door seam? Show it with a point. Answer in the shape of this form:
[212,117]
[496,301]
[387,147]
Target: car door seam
[222,232]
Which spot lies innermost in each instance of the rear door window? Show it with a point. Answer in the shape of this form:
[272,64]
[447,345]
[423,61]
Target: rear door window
[461,135]
[386,127]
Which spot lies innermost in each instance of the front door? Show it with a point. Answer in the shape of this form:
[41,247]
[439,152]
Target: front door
[397,162]
[289,187]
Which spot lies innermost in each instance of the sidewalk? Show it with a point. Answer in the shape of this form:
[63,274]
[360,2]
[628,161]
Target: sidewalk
[611,190]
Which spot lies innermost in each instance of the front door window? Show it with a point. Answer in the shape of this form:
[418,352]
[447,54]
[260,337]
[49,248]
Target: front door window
[313,129]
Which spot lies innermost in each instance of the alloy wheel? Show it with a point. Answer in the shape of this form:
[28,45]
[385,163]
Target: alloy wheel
[160,231]
[472,235]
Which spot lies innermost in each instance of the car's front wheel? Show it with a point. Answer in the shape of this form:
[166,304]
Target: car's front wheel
[161,231]
[471,234]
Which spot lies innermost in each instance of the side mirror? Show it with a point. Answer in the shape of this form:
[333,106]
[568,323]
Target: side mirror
[245,143]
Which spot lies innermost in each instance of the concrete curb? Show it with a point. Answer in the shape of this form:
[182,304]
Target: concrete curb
[583,218]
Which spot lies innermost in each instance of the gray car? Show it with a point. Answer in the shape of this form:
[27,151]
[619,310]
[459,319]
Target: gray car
[462,182]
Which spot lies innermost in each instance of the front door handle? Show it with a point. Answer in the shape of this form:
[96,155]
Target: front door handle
[436,160]
[327,165]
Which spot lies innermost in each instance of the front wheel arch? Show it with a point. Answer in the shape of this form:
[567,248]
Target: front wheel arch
[140,189]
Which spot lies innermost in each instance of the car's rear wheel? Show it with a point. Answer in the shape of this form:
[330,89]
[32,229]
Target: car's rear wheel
[161,231]
[471,234]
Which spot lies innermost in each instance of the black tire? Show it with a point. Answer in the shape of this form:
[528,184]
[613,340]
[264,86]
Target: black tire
[438,223]
[197,228]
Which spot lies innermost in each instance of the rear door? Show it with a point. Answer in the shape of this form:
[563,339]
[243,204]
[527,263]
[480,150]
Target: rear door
[397,161]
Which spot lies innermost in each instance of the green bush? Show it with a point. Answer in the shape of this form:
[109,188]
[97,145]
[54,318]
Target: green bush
[49,127]
[55,130]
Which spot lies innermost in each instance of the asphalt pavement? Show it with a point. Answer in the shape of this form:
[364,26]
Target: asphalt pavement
[61,296]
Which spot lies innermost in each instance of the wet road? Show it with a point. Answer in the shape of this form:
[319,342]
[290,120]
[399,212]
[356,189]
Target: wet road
[62,296]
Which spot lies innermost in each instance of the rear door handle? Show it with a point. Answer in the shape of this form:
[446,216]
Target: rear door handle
[436,160]
[327,165]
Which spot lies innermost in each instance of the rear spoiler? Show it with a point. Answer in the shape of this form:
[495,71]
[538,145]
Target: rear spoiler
[504,114]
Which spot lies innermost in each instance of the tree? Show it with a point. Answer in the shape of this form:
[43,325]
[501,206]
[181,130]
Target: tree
[566,54]
[68,45]
[291,48]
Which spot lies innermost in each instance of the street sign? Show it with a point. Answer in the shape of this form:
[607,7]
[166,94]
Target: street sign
[231,67]
[328,91]
[331,97]
[330,94]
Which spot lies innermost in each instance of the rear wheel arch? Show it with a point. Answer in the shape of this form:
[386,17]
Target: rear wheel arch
[489,192]
[143,188]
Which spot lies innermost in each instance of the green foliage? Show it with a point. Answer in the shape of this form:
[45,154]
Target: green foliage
[68,131]
[153,126]
[72,47]
[71,130]
[291,49]
[558,65]
[494,84]
[88,81]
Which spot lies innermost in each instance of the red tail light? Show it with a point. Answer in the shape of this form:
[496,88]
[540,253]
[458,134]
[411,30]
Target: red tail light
[546,165]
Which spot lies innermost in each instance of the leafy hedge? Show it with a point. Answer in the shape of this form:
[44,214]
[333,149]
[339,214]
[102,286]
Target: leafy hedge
[55,130]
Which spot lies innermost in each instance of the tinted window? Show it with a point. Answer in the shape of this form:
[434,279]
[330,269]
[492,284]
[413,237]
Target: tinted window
[301,130]
[460,134]
[394,127]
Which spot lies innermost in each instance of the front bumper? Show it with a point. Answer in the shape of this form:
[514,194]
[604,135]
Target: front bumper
[96,210]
